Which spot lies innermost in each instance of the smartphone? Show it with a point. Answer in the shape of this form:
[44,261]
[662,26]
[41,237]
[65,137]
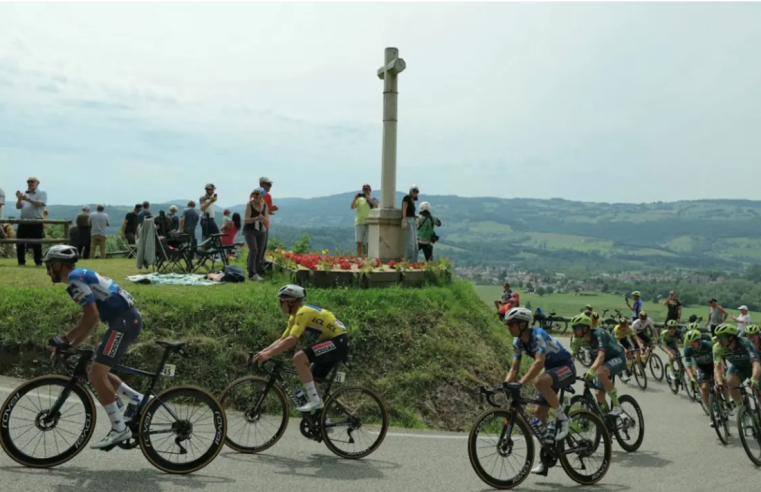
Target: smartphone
[215,195]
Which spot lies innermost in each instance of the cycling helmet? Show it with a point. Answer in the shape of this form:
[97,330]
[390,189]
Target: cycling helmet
[291,291]
[643,314]
[425,207]
[581,320]
[693,326]
[671,323]
[725,329]
[635,293]
[588,307]
[623,321]
[519,314]
[693,318]
[692,336]
[595,315]
[752,330]
[62,253]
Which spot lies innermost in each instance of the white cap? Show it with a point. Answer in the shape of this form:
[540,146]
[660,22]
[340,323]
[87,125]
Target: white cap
[743,307]
[414,187]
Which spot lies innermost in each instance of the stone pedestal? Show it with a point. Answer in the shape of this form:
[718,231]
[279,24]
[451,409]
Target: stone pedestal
[386,236]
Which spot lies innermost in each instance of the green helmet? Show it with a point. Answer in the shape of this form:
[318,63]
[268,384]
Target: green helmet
[595,315]
[725,329]
[693,326]
[635,293]
[642,314]
[589,307]
[693,336]
[581,319]
[623,321]
[671,323]
[752,330]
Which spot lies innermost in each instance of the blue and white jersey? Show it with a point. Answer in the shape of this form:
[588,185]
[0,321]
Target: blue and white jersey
[87,287]
[541,342]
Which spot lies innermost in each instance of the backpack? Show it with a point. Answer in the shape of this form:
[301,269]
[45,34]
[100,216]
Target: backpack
[233,274]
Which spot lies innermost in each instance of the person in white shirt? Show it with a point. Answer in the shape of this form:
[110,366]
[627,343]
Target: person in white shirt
[640,328]
[742,321]
[2,202]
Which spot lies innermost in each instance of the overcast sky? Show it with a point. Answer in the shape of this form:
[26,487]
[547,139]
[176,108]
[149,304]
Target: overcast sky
[117,103]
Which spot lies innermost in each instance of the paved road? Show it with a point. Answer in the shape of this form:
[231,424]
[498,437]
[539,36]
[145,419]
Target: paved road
[680,452]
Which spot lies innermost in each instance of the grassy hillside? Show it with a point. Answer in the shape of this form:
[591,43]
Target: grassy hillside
[553,233]
[425,350]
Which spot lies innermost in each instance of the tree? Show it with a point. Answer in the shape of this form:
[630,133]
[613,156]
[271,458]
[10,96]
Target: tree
[303,244]
[541,291]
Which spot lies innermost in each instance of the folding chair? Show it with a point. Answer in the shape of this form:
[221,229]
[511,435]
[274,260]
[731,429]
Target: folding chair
[210,251]
[171,253]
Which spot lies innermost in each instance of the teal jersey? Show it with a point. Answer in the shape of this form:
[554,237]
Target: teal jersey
[741,357]
[602,341]
[703,356]
[669,341]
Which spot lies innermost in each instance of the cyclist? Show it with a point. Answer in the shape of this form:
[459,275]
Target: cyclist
[610,360]
[577,343]
[550,356]
[742,358]
[752,334]
[641,327]
[669,345]
[100,298]
[624,336]
[698,356]
[328,338]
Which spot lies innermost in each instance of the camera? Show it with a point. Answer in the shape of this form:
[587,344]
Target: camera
[215,195]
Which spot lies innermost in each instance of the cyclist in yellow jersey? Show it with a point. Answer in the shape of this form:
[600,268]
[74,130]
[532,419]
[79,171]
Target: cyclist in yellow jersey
[329,342]
[624,334]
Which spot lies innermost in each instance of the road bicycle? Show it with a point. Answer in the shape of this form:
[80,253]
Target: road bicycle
[251,414]
[680,380]
[637,368]
[625,427]
[550,322]
[749,423]
[585,356]
[497,433]
[719,409]
[169,422]
[654,362]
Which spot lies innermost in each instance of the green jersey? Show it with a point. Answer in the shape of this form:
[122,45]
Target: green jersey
[602,341]
[703,356]
[741,357]
[669,341]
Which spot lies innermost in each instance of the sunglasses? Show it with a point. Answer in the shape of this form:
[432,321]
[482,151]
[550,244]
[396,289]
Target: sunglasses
[578,327]
[30,181]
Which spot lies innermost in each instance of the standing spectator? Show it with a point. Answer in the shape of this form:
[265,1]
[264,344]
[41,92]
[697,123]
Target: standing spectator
[716,315]
[742,321]
[129,225]
[99,222]
[2,202]
[225,220]
[265,184]
[207,201]
[507,293]
[408,224]
[362,203]
[174,217]
[32,204]
[635,308]
[254,231]
[85,229]
[143,213]
[189,221]
[230,229]
[426,234]
[674,308]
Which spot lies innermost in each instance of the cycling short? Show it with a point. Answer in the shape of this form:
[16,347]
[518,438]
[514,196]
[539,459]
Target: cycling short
[743,374]
[122,331]
[625,343]
[705,374]
[616,366]
[562,377]
[645,339]
[324,355]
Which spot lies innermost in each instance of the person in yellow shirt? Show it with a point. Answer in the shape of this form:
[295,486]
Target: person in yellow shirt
[327,336]
[625,336]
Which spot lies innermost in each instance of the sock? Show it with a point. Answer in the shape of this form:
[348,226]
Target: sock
[125,390]
[115,416]
[614,397]
[312,392]
[560,413]
[603,406]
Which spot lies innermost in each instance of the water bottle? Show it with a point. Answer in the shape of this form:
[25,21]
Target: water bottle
[550,434]
[536,424]
[301,397]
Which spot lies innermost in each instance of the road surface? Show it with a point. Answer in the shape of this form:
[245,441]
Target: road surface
[680,453]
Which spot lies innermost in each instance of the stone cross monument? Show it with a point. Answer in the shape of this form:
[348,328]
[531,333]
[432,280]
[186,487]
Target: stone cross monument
[386,236]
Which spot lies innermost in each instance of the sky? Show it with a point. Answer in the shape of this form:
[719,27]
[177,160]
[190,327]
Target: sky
[634,102]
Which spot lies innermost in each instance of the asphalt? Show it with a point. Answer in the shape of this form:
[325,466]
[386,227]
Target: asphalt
[680,453]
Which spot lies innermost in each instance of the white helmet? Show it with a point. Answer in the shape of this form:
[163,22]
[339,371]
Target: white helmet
[63,253]
[519,314]
[425,207]
[292,291]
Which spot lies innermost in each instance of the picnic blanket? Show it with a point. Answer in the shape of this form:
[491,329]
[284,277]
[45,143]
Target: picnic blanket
[172,279]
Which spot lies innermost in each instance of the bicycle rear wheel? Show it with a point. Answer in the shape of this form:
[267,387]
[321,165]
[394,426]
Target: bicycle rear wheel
[593,448]
[674,382]
[749,427]
[174,421]
[630,426]
[639,374]
[358,413]
[255,420]
[719,417]
[656,367]
[689,388]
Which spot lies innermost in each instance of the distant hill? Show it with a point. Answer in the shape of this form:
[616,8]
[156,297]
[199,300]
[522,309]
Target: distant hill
[557,234]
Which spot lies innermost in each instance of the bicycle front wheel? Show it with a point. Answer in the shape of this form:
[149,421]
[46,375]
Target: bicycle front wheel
[585,454]
[749,427]
[32,436]
[630,425]
[182,421]
[490,447]
[357,417]
[656,367]
[719,417]
[256,418]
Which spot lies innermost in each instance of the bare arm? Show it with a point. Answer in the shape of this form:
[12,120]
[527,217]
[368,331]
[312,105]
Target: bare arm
[354,202]
[124,226]
[86,326]
[513,371]
[534,370]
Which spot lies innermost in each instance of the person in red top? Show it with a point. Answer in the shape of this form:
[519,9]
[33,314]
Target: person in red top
[266,185]
[230,228]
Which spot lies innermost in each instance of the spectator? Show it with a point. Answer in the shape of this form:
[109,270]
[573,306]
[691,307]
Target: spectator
[99,222]
[2,202]
[207,201]
[174,218]
[743,320]
[265,184]
[636,307]
[408,224]
[716,315]
[507,292]
[426,234]
[230,229]
[32,204]
[189,221]
[129,225]
[674,307]
[362,203]
[253,231]
[85,229]
[6,231]
[142,214]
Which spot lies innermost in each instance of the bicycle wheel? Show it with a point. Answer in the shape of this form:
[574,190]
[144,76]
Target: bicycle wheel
[719,417]
[639,374]
[582,445]
[629,426]
[689,387]
[584,357]
[565,327]
[174,421]
[674,382]
[749,427]
[489,447]
[656,367]
[255,420]
[27,410]
[357,413]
